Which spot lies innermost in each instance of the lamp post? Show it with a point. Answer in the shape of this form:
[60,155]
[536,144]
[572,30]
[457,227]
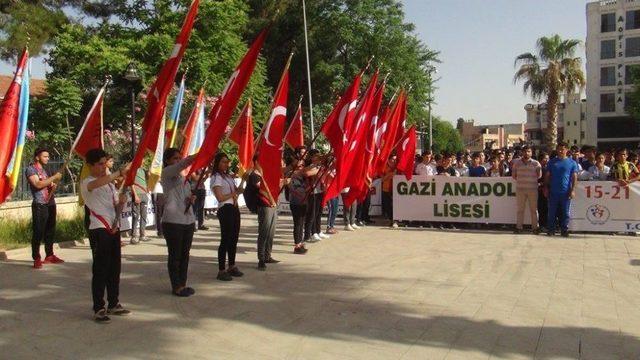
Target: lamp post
[431,70]
[131,75]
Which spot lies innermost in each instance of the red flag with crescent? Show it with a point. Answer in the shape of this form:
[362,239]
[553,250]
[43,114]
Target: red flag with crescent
[221,113]
[158,93]
[406,153]
[242,135]
[295,136]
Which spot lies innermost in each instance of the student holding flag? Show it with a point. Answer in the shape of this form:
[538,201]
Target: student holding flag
[43,208]
[100,196]
[178,225]
[227,193]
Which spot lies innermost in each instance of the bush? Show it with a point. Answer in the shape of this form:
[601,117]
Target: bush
[17,233]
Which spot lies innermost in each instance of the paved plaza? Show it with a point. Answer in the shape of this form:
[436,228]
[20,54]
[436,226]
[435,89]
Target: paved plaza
[377,293]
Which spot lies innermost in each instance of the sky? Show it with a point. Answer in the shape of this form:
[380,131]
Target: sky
[478,41]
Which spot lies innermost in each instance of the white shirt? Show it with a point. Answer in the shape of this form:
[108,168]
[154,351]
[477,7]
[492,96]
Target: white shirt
[226,184]
[462,171]
[101,201]
[425,169]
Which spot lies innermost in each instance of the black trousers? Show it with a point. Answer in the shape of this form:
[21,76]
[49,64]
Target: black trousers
[179,238]
[229,217]
[198,206]
[387,205]
[299,213]
[43,226]
[314,215]
[105,248]
[87,218]
[362,213]
[543,209]
[158,204]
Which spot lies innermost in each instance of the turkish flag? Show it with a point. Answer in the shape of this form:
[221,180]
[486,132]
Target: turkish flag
[353,159]
[221,113]
[402,122]
[373,128]
[363,171]
[336,130]
[295,136]
[270,144]
[158,93]
[387,139]
[242,135]
[9,111]
[406,153]
[91,133]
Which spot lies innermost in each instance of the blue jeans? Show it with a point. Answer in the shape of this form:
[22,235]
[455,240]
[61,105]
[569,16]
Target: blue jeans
[559,205]
[333,211]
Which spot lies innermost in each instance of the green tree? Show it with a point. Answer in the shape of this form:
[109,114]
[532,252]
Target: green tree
[136,32]
[61,106]
[553,72]
[446,138]
[31,23]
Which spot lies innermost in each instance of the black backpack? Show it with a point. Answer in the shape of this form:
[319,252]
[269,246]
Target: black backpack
[251,193]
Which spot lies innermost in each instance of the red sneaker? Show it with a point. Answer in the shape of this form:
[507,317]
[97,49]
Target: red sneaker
[52,259]
[37,264]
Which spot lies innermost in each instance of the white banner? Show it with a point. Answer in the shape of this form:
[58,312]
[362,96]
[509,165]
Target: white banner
[605,206]
[125,216]
[456,199]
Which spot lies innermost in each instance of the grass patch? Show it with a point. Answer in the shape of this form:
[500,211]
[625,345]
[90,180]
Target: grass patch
[16,233]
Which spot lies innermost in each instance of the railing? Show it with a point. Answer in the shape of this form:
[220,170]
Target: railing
[65,187]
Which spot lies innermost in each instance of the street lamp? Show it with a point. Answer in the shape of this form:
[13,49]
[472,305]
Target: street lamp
[431,70]
[131,75]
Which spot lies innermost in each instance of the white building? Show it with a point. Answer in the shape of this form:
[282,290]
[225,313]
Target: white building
[613,48]
[572,125]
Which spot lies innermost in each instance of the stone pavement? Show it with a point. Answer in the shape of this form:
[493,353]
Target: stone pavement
[376,293]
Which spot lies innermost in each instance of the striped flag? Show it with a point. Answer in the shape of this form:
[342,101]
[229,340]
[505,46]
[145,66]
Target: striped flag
[13,169]
[172,124]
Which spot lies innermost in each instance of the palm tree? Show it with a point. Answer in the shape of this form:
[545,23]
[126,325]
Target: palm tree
[555,71]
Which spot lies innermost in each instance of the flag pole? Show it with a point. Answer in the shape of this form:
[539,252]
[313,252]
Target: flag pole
[306,48]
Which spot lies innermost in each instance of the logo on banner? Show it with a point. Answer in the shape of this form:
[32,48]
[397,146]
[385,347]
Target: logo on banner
[598,214]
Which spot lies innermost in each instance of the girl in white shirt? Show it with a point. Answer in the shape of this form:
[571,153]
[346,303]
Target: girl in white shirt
[225,190]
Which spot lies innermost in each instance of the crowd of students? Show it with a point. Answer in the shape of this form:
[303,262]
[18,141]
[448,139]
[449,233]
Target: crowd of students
[545,183]
[546,186]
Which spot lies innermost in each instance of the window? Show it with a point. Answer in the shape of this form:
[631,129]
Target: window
[617,127]
[607,49]
[633,19]
[582,135]
[582,116]
[608,22]
[629,72]
[632,47]
[608,76]
[607,103]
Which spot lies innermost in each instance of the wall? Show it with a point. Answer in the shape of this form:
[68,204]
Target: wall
[67,207]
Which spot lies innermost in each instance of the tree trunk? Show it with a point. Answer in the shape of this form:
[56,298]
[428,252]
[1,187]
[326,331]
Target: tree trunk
[551,135]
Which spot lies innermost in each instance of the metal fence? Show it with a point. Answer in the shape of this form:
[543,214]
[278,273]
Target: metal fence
[65,187]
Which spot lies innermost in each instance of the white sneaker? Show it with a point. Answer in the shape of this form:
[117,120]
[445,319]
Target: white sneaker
[394,225]
[316,237]
[355,226]
[134,241]
[348,227]
[323,235]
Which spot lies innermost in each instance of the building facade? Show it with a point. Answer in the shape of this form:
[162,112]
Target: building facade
[480,137]
[613,50]
[572,124]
